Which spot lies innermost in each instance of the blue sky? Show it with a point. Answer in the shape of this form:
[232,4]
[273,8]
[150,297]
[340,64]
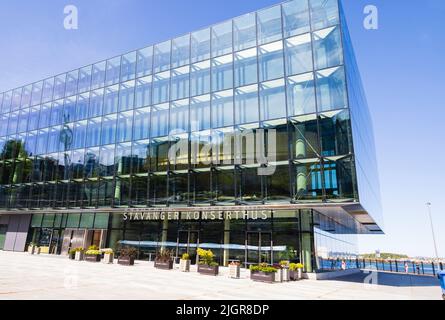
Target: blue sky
[402,67]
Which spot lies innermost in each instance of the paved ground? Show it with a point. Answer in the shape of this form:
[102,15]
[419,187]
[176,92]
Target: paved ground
[23,276]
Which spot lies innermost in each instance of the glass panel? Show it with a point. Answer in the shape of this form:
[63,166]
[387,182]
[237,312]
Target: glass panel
[106,161]
[327,48]
[125,126]
[101,221]
[26,97]
[200,45]
[200,113]
[246,68]
[83,102]
[93,132]
[273,100]
[96,103]
[271,61]
[23,121]
[245,31]
[222,73]
[308,182]
[296,18]
[6,104]
[161,87]
[144,62]
[111,101]
[59,87]
[71,83]
[143,91]
[141,156]
[69,110]
[301,94]
[16,99]
[126,95]
[200,78]
[128,66]
[162,57]
[222,109]
[87,220]
[246,105]
[45,116]
[57,113]
[331,89]
[324,13]
[299,54]
[179,116]
[180,83]
[141,124]
[222,39]
[33,121]
[108,129]
[80,130]
[159,120]
[335,133]
[36,95]
[180,51]
[98,75]
[42,141]
[12,124]
[84,79]
[269,25]
[113,71]
[305,142]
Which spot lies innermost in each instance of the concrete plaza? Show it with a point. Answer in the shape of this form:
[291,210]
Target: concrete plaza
[23,276]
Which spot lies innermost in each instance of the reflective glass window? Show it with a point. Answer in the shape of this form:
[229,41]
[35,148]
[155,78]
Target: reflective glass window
[83,102]
[84,79]
[93,132]
[79,135]
[244,32]
[296,18]
[69,110]
[331,89]
[301,94]
[48,87]
[26,97]
[200,113]
[179,116]
[125,126]
[98,75]
[200,45]
[327,48]
[144,62]
[6,104]
[4,126]
[106,163]
[96,103]
[33,121]
[324,13]
[23,120]
[111,100]
[59,87]
[181,51]
[57,113]
[159,120]
[246,104]
[1,102]
[45,115]
[269,25]
[53,139]
[222,109]
[126,95]
[299,54]
[222,39]
[36,95]
[162,56]
[222,73]
[271,61]
[113,71]
[200,78]
[31,141]
[143,92]
[161,87]
[273,99]
[16,99]
[42,140]
[13,121]
[108,134]
[141,125]
[123,157]
[180,83]
[71,83]
[128,66]
[246,68]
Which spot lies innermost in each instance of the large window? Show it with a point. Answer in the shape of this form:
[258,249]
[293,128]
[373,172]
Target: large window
[179,116]
[141,125]
[59,87]
[79,136]
[200,78]
[273,99]
[327,48]
[181,51]
[36,95]
[144,62]
[246,68]
[244,32]
[159,120]
[128,66]
[180,83]
[200,113]
[222,109]
[108,129]
[324,13]
[82,105]
[246,104]
[98,75]
[162,57]
[84,79]
[271,61]
[298,54]
[125,126]
[269,25]
[143,91]
[295,18]
[301,94]
[111,100]
[96,103]
[222,73]
[222,39]
[161,87]
[126,96]
[113,71]
[200,45]
[331,89]
[93,132]
[71,83]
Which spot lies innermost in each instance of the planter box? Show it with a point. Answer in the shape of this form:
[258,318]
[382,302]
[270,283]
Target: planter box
[93,258]
[126,261]
[164,265]
[262,276]
[285,274]
[208,270]
[72,256]
[79,256]
[234,271]
[108,258]
[295,275]
[184,265]
[279,275]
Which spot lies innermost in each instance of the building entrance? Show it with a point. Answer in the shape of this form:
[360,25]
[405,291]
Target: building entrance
[259,248]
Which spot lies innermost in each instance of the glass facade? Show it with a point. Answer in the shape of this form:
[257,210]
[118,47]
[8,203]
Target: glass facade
[99,137]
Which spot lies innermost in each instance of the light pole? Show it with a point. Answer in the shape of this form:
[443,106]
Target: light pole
[428,204]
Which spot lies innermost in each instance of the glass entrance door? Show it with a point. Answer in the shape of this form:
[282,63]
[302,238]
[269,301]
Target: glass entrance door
[259,248]
[188,242]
